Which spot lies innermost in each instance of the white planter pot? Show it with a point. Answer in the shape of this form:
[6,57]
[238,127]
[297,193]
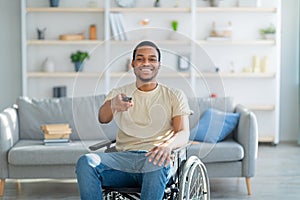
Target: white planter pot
[269,36]
[48,65]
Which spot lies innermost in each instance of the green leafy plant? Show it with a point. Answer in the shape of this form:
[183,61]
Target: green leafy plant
[79,56]
[174,24]
[269,30]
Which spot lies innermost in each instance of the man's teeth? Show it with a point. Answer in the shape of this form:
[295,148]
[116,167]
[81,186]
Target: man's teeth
[146,70]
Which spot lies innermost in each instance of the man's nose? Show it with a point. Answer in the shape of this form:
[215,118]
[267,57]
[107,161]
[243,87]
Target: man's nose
[146,62]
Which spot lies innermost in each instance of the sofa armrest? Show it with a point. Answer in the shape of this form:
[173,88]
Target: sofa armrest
[9,135]
[247,135]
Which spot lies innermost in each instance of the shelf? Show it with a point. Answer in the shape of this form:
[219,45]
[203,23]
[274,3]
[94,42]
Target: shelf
[177,42]
[161,75]
[261,107]
[237,9]
[62,74]
[162,10]
[205,74]
[155,10]
[166,42]
[121,74]
[47,9]
[237,42]
[64,42]
[96,74]
[238,75]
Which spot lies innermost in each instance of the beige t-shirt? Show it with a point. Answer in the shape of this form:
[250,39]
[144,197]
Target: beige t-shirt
[149,122]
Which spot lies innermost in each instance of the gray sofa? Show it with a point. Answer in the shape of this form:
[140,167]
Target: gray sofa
[23,154]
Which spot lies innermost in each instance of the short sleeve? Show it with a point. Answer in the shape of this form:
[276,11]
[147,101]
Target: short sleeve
[111,95]
[180,104]
[126,89]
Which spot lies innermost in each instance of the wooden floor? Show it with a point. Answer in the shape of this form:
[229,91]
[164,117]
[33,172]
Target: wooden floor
[277,177]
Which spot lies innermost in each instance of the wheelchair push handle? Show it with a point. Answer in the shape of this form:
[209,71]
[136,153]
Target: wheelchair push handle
[105,143]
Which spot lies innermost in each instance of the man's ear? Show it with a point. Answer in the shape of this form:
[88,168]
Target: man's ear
[132,63]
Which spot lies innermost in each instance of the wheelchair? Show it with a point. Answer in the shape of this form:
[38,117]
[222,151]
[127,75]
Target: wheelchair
[188,182]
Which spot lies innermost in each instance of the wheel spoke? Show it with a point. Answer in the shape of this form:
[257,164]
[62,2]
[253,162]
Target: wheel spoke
[194,185]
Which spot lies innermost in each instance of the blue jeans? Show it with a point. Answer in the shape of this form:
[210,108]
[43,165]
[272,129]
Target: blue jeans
[120,169]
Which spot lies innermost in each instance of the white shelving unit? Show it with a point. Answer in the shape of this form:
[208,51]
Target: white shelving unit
[109,58]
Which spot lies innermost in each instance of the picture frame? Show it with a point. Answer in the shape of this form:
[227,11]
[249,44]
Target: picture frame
[183,62]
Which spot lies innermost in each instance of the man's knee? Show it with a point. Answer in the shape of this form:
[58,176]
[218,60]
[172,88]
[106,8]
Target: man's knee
[88,160]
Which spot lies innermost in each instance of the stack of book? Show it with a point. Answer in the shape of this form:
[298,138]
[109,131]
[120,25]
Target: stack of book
[117,26]
[56,133]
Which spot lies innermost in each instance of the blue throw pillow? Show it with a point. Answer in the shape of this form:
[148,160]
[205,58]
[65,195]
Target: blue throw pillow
[214,126]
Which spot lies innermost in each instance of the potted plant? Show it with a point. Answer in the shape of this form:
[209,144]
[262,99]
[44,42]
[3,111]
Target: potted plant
[174,35]
[78,58]
[157,3]
[269,32]
[54,3]
[174,24]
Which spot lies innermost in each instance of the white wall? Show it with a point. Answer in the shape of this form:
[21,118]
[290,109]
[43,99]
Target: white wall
[10,52]
[10,67]
[289,108]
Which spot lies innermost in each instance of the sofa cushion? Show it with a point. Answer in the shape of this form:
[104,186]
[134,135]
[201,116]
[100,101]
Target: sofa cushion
[80,112]
[214,126]
[200,105]
[34,152]
[225,151]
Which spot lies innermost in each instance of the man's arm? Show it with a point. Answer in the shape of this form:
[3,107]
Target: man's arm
[105,114]
[161,153]
[116,104]
[181,130]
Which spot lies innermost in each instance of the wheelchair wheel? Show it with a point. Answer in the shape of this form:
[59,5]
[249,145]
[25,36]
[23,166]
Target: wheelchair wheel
[114,195]
[194,184]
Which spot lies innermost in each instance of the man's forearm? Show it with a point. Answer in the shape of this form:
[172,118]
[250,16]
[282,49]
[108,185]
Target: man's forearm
[105,114]
[179,139]
[182,132]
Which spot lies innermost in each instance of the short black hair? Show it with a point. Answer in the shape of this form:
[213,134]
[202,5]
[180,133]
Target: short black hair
[146,43]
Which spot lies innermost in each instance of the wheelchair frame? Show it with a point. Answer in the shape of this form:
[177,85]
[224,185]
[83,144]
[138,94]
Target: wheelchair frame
[189,182]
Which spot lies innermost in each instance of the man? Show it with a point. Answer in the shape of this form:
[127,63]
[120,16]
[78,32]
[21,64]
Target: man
[151,125]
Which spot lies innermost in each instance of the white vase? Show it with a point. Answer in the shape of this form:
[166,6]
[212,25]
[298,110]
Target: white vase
[175,36]
[269,36]
[48,65]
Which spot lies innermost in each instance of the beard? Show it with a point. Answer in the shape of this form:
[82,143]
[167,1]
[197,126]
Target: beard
[146,79]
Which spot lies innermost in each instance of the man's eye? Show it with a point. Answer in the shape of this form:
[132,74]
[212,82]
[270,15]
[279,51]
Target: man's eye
[139,59]
[153,60]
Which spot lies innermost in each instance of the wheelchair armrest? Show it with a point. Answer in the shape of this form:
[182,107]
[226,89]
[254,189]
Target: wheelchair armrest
[184,147]
[102,144]
[179,154]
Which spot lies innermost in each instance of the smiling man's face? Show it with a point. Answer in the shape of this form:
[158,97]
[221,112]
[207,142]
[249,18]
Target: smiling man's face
[146,64]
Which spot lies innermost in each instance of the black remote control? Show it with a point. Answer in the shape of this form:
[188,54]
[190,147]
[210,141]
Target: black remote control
[127,99]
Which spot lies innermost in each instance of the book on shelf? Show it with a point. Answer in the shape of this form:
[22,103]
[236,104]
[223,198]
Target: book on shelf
[113,26]
[117,26]
[121,29]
